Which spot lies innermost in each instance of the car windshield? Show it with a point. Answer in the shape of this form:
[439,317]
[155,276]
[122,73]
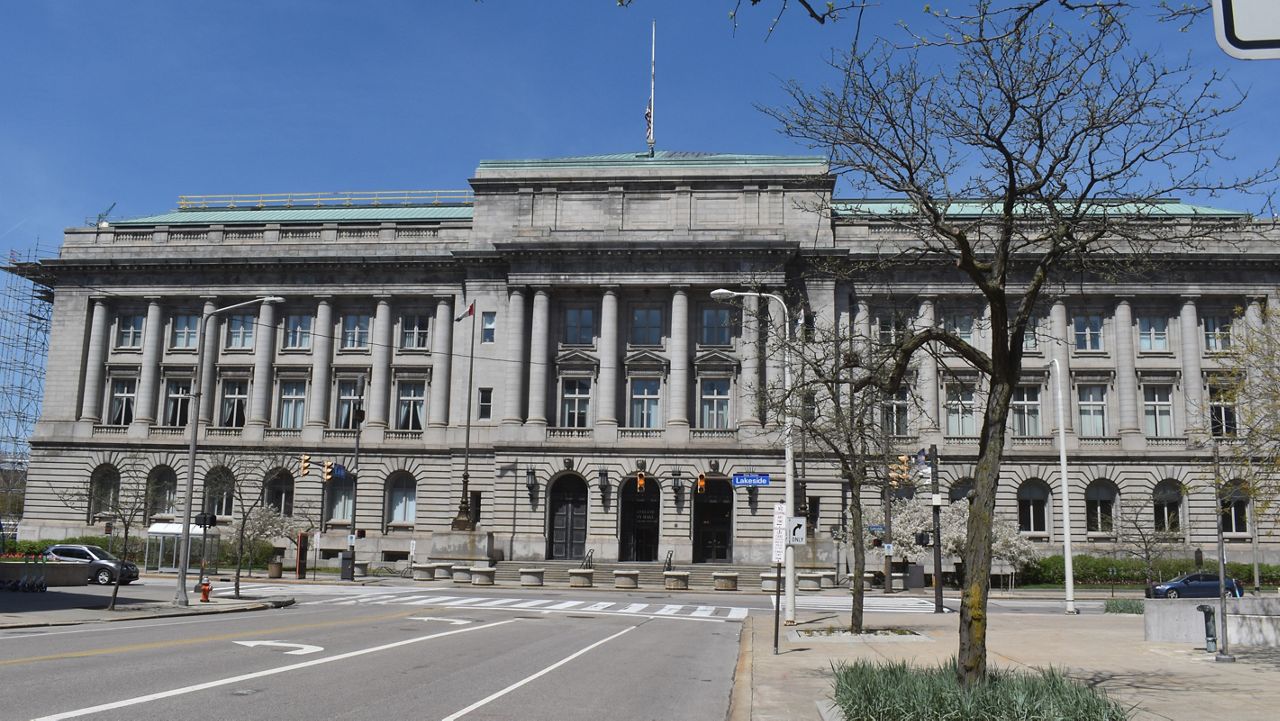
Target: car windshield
[101,553]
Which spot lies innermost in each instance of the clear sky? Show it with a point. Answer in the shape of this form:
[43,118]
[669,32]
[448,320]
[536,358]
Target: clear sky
[137,102]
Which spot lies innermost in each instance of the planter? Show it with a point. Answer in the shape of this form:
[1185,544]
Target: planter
[769,582]
[626,579]
[443,571]
[482,575]
[423,572]
[581,577]
[725,581]
[676,580]
[531,576]
[809,582]
[275,569]
[828,579]
[361,568]
[462,574]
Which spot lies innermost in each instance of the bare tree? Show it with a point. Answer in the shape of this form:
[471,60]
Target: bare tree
[118,494]
[1067,138]
[1139,535]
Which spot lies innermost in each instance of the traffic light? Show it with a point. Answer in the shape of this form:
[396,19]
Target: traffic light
[327,473]
[702,483]
[304,465]
[639,481]
[924,538]
[900,472]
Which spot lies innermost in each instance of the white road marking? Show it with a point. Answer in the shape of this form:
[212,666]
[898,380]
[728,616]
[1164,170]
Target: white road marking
[704,610]
[532,677]
[260,674]
[669,610]
[431,599]
[736,613]
[497,602]
[454,621]
[564,604]
[602,606]
[299,649]
[634,608]
[461,602]
[531,604]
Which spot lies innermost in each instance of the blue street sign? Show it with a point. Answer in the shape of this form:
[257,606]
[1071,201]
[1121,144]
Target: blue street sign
[750,479]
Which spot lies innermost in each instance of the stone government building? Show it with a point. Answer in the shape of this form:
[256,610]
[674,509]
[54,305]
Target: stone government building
[598,352]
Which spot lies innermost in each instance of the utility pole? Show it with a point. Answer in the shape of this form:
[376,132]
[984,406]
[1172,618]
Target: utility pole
[937,530]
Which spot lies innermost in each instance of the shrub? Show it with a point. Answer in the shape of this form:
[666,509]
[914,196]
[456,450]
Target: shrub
[897,691]
[1123,605]
[1099,570]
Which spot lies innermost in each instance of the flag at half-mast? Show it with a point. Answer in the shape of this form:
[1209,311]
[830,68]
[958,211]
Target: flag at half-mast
[470,311]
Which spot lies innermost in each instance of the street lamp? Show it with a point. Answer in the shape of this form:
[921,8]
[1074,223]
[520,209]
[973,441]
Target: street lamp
[1066,494]
[193,424]
[789,463]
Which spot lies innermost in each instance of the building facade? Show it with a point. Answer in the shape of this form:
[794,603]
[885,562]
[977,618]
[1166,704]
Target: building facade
[550,333]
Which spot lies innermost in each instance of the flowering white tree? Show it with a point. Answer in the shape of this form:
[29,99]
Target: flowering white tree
[915,515]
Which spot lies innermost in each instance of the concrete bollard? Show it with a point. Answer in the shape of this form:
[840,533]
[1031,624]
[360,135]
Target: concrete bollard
[462,574]
[581,577]
[531,576]
[443,571]
[482,575]
[424,572]
[676,580]
[808,581]
[626,579]
[725,581]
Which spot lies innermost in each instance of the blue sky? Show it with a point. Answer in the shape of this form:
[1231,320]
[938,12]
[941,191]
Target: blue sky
[137,102]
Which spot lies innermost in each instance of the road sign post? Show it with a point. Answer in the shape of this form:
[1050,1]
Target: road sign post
[779,554]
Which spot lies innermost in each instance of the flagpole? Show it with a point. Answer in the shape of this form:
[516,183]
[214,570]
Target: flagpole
[463,520]
[653,49]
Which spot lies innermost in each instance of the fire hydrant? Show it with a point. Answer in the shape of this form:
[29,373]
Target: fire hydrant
[204,590]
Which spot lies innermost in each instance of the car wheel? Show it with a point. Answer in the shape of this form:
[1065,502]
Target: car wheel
[103,577]
[1171,594]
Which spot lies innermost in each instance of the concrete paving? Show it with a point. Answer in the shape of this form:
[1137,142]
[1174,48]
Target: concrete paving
[88,604]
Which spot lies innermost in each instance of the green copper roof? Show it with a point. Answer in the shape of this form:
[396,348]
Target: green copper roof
[973,208]
[302,215]
[661,158]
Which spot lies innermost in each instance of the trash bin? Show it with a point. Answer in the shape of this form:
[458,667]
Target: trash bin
[347,565]
[275,569]
[1210,628]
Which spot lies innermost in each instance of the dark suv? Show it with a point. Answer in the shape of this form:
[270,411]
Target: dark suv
[102,566]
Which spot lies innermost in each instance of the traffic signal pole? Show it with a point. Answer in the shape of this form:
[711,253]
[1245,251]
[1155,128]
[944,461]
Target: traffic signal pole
[937,530]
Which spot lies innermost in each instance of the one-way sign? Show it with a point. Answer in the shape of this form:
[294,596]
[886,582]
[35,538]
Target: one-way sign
[1248,29]
[795,531]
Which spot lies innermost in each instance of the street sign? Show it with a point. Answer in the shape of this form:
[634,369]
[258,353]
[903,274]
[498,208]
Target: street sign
[779,533]
[413,550]
[888,549]
[351,539]
[1248,29]
[795,531]
[752,480]
[875,529]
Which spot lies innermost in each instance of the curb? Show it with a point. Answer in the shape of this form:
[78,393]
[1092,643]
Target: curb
[261,605]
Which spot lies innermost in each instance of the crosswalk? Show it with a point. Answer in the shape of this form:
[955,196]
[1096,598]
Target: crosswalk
[870,604]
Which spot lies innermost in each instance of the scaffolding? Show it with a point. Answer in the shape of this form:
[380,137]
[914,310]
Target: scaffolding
[26,304]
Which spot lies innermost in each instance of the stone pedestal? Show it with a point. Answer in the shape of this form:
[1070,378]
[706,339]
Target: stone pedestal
[809,582]
[626,579]
[725,581]
[424,571]
[531,576]
[482,575]
[581,577]
[462,574]
[676,580]
[769,581]
[443,570]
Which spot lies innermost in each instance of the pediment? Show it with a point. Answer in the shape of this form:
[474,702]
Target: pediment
[576,360]
[715,360]
[646,360]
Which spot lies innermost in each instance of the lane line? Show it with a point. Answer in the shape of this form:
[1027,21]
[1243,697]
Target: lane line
[529,678]
[259,674]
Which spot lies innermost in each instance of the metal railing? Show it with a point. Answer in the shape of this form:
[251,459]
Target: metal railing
[321,200]
[587,560]
[666,565]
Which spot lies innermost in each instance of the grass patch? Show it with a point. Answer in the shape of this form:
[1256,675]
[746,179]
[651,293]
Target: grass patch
[1123,605]
[871,691]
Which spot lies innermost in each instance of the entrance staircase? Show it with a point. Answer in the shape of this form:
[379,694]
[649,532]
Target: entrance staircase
[557,573]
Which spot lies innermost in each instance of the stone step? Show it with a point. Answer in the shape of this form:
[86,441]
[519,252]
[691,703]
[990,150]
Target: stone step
[650,574]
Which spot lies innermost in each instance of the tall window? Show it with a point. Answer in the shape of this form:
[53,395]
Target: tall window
[579,325]
[575,402]
[713,405]
[350,400]
[177,400]
[124,392]
[184,332]
[279,492]
[715,326]
[1217,333]
[646,325]
[1166,499]
[410,400]
[891,330]
[1031,341]
[1222,412]
[297,332]
[1092,401]
[219,491]
[402,499]
[240,332]
[162,492]
[1024,409]
[355,332]
[235,397]
[129,331]
[488,326]
[484,404]
[960,324]
[1157,404]
[339,502]
[104,492]
[1033,507]
[1088,331]
[1153,334]
[893,413]
[413,332]
[293,404]
[644,403]
[1100,505]
[1234,499]
[960,411]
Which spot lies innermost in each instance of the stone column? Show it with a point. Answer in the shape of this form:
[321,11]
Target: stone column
[775,353]
[539,357]
[516,367]
[1192,376]
[380,374]
[1059,348]
[96,361]
[144,411]
[441,364]
[862,340]
[264,337]
[749,352]
[1127,377]
[928,387]
[607,393]
[210,330]
[321,363]
[678,384]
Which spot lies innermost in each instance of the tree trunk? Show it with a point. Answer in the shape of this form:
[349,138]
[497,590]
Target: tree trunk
[859,552]
[239,557]
[124,556]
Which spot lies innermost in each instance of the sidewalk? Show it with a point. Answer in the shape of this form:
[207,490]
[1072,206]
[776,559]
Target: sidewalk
[69,606]
[1162,681]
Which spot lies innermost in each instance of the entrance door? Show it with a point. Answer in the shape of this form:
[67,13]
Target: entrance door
[638,534]
[713,523]
[568,508]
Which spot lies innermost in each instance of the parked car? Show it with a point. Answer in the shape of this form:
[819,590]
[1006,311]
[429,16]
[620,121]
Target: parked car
[1193,585]
[102,566]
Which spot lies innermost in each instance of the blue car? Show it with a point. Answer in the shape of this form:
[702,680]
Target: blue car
[1193,585]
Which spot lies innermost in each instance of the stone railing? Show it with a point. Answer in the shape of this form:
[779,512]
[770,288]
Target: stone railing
[402,435]
[340,434]
[712,433]
[1166,442]
[283,433]
[110,430]
[569,433]
[1100,441]
[168,431]
[1030,441]
[640,432]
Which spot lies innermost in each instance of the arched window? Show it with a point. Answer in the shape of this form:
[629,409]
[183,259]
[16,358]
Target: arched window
[1033,506]
[1100,506]
[104,492]
[402,499]
[279,491]
[162,492]
[1234,500]
[960,490]
[219,491]
[1166,499]
[339,493]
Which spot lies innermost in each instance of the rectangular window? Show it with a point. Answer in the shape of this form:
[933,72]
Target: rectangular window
[1153,334]
[235,397]
[1222,412]
[484,403]
[713,406]
[575,403]
[579,325]
[1088,332]
[893,413]
[1024,410]
[1032,514]
[715,329]
[891,330]
[297,332]
[644,403]
[413,332]
[177,399]
[350,404]
[1217,333]
[129,331]
[1092,401]
[240,332]
[293,404]
[1158,410]
[960,325]
[184,333]
[411,399]
[1099,515]
[488,326]
[355,332]
[1031,341]
[646,326]
[961,420]
[124,392]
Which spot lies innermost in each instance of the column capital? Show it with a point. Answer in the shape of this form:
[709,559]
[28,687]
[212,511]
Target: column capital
[1189,297]
[382,297]
[153,298]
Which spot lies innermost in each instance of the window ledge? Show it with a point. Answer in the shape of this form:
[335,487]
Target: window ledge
[400,526]
[1037,536]
[1155,354]
[1237,537]
[1101,535]
[184,351]
[1089,353]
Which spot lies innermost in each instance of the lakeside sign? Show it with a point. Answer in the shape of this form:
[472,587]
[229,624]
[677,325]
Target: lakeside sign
[1248,29]
[750,480]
